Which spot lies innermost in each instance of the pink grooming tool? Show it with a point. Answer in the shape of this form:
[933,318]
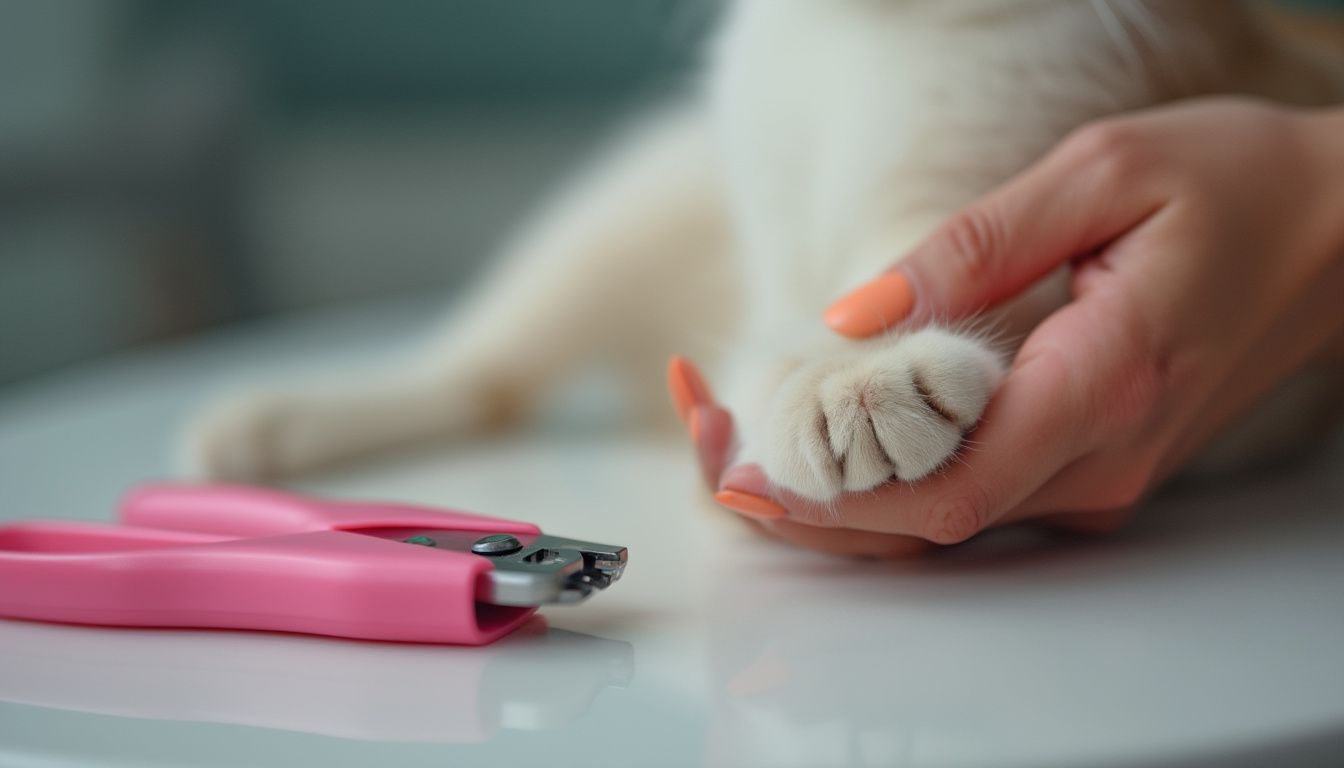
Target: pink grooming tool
[252,558]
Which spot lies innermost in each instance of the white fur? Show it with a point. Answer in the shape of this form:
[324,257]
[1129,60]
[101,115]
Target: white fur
[856,418]
[834,134]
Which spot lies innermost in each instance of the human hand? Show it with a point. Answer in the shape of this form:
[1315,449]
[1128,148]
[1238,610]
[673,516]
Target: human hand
[1207,251]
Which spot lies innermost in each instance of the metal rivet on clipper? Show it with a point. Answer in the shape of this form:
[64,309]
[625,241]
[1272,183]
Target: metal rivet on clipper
[496,544]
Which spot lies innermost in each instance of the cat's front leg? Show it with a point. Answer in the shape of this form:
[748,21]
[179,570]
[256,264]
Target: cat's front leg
[607,274]
[863,414]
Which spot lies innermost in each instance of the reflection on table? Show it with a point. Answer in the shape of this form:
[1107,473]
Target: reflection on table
[535,679]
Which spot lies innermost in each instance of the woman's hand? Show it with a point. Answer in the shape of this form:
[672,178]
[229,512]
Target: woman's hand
[1207,251]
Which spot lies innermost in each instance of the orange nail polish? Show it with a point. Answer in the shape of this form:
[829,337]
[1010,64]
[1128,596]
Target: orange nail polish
[687,387]
[872,307]
[750,504]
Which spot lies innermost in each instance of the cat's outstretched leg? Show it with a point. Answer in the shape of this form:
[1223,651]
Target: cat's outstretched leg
[629,265]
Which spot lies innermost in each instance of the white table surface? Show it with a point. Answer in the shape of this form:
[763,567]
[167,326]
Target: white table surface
[1210,633]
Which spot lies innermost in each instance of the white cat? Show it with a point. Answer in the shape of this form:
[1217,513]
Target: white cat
[832,135]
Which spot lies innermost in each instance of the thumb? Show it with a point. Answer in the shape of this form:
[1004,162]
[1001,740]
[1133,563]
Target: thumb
[1086,193]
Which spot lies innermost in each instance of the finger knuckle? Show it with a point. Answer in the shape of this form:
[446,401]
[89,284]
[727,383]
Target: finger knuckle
[1112,520]
[1115,153]
[1103,138]
[1152,384]
[1143,379]
[975,243]
[1133,399]
[1131,477]
[1126,490]
[956,518]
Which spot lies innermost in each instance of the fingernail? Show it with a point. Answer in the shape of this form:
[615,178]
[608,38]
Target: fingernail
[686,387]
[872,307]
[750,505]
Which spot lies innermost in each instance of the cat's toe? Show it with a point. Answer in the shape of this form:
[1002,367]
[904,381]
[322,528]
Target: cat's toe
[856,420]
[796,447]
[883,428]
[851,432]
[856,430]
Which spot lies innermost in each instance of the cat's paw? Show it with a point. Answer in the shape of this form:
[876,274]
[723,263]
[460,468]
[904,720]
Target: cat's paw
[895,408]
[250,439]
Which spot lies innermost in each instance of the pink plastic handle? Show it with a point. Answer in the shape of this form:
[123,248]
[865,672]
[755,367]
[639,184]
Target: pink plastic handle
[68,537]
[249,558]
[325,582]
[248,511]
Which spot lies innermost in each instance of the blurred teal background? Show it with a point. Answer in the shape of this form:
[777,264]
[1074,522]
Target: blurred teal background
[171,165]
[168,166]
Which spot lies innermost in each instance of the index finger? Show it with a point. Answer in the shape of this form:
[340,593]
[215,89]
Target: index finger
[1094,187]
